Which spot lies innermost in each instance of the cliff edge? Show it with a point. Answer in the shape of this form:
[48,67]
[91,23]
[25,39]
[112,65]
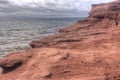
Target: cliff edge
[103,20]
[87,50]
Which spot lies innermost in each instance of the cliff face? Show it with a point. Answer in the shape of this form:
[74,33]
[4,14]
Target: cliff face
[103,20]
[87,50]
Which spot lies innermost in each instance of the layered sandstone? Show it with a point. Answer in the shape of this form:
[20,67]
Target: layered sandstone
[103,21]
[87,50]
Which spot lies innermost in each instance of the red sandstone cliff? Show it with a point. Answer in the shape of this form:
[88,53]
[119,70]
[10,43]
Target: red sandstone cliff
[87,50]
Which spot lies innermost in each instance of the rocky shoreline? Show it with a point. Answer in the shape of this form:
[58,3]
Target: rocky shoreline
[87,50]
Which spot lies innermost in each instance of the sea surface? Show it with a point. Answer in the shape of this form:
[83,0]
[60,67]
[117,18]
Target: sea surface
[16,34]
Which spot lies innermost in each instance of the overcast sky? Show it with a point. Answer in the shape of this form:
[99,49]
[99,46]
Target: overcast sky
[46,8]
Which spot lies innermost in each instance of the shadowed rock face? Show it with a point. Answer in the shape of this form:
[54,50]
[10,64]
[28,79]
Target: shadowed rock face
[87,50]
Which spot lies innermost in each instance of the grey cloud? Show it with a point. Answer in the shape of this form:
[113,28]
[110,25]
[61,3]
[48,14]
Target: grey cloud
[3,2]
[49,9]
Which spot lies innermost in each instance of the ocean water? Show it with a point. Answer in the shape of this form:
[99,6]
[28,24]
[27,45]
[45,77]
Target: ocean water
[15,35]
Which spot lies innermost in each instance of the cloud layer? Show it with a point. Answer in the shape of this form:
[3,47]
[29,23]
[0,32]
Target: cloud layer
[46,8]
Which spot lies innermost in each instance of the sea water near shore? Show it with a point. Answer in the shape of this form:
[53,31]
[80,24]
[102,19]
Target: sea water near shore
[16,34]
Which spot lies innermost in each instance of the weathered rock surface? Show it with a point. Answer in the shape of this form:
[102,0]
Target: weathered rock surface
[59,64]
[87,50]
[104,20]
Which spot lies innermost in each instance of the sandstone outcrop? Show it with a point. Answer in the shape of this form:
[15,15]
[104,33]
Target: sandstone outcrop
[87,50]
[103,20]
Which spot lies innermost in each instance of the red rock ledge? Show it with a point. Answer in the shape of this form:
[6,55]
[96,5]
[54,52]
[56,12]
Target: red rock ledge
[87,50]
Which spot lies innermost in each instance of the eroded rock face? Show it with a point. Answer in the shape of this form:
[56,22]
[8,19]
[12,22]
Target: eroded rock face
[59,64]
[13,61]
[87,50]
[103,20]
